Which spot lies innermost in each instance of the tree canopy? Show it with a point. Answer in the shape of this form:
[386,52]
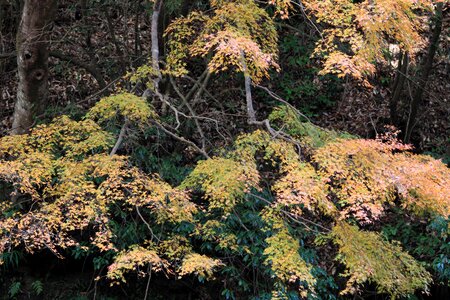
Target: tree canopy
[194,164]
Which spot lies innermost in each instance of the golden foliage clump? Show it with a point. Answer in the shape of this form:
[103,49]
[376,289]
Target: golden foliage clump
[355,33]
[137,258]
[200,265]
[283,256]
[368,258]
[302,188]
[137,189]
[60,180]
[236,33]
[368,175]
[51,194]
[131,107]
[224,181]
[182,32]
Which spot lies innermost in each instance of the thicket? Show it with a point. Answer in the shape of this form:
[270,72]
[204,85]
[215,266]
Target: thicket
[279,208]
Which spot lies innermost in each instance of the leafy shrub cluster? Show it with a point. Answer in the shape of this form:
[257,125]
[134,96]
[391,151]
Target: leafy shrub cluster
[263,219]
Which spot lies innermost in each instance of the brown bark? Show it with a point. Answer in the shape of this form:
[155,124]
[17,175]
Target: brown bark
[32,60]
[426,71]
[398,86]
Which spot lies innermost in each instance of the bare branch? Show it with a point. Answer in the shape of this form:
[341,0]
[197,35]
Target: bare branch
[180,138]
[119,141]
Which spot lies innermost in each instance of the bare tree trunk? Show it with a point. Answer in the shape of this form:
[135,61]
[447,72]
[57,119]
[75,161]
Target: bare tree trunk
[32,61]
[248,91]
[398,86]
[155,41]
[426,71]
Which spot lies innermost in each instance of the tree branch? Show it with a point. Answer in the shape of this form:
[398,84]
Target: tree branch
[119,141]
[180,138]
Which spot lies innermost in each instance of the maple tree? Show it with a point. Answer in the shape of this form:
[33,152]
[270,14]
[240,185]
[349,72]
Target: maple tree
[63,181]
[278,209]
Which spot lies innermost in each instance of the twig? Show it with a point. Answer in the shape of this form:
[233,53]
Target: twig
[180,138]
[293,217]
[148,225]
[149,271]
[191,110]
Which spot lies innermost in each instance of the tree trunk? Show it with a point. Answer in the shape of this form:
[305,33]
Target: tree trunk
[251,115]
[426,71]
[32,61]
[155,41]
[398,87]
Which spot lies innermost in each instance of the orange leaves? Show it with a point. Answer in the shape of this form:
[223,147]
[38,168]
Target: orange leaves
[423,183]
[366,176]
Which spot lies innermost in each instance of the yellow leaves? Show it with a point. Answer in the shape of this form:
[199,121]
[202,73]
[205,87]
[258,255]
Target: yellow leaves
[144,73]
[131,186]
[368,258]
[216,232]
[302,188]
[233,28]
[136,258]
[131,107]
[200,265]
[182,33]
[65,165]
[70,137]
[283,257]
[366,175]
[366,28]
[29,173]
[224,181]
[175,247]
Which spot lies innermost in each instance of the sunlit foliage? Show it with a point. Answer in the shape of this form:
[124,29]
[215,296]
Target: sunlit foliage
[283,257]
[200,265]
[62,182]
[223,181]
[126,105]
[355,34]
[236,32]
[137,259]
[368,176]
[368,258]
